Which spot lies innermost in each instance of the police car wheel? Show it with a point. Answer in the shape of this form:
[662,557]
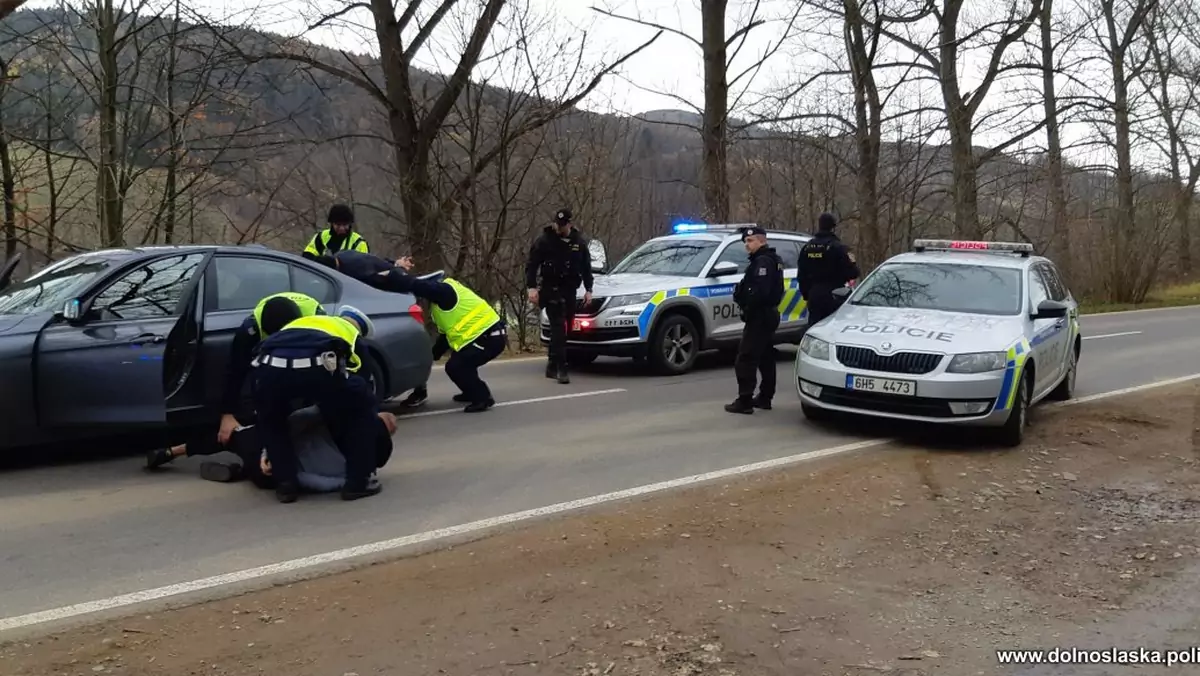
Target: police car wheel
[1066,389]
[674,345]
[1013,432]
[376,381]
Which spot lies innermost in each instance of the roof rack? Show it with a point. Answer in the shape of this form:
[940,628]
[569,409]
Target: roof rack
[1023,248]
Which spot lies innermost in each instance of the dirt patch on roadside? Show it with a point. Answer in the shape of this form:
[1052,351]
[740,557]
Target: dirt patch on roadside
[905,561]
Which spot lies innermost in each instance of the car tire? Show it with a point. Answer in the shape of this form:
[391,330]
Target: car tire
[1013,431]
[674,345]
[1066,389]
[375,379]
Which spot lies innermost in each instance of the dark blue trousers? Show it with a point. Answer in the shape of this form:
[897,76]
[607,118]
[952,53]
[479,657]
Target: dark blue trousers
[347,405]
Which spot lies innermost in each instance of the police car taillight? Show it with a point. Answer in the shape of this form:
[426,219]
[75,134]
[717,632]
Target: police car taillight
[581,324]
[417,313]
[1023,248]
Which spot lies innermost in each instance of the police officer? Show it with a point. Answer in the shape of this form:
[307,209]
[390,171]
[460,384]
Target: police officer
[470,328]
[270,315]
[758,295]
[339,236]
[558,262]
[825,264]
[368,268]
[316,360]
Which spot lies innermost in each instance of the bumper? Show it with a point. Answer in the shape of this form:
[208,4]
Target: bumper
[614,342]
[940,397]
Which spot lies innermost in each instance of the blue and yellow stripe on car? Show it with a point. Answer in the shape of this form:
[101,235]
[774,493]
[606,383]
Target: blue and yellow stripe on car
[655,300]
[792,308]
[1015,366]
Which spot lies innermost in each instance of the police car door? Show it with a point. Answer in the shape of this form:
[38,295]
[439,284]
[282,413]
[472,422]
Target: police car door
[724,318]
[792,305]
[1048,334]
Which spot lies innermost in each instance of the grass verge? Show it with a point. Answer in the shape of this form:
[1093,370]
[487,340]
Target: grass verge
[1172,296]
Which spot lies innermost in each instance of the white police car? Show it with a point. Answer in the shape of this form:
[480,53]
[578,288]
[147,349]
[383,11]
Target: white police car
[965,333]
[672,297]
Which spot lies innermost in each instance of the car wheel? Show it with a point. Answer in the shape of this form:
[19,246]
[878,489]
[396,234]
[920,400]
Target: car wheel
[1013,432]
[675,344]
[1066,389]
[376,380]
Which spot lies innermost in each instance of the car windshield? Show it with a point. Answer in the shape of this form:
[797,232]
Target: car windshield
[49,289]
[951,287]
[682,258]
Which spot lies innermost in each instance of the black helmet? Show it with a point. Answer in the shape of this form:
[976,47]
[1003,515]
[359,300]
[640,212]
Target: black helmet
[341,214]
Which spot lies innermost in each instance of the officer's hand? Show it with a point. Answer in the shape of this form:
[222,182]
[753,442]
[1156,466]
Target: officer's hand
[533,296]
[587,297]
[389,421]
[264,465]
[228,425]
[405,262]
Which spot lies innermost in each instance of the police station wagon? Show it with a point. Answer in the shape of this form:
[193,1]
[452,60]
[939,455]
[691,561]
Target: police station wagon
[672,298]
[968,333]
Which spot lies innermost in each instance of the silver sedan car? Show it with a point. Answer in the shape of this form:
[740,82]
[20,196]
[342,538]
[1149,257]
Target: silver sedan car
[964,333]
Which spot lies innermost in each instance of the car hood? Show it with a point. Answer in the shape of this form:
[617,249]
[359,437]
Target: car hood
[22,323]
[627,283]
[919,330]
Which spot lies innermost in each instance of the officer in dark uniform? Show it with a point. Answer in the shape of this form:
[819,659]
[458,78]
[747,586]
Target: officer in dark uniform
[825,264]
[558,262]
[339,236]
[270,315]
[315,360]
[758,296]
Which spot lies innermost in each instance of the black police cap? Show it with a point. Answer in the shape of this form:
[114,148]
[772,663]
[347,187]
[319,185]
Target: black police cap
[563,216]
[752,230]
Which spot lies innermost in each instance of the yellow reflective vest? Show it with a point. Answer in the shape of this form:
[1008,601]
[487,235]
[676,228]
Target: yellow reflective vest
[467,320]
[339,328]
[320,242]
[307,304]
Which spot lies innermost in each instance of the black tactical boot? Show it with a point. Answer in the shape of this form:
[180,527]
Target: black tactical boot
[740,406]
[760,402]
[551,370]
[563,377]
[287,491]
[364,490]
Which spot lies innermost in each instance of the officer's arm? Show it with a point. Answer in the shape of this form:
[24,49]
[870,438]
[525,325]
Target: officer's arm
[364,356]
[437,292]
[586,255]
[240,354]
[440,346]
[310,251]
[849,265]
[533,264]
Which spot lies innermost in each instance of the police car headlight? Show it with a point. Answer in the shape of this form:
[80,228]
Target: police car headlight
[814,347]
[632,299]
[977,362]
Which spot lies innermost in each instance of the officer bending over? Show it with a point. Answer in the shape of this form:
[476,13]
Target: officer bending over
[558,262]
[470,328]
[758,295]
[315,360]
[825,264]
[270,315]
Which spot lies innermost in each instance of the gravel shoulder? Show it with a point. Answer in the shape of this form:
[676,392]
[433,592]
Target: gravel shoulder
[908,560]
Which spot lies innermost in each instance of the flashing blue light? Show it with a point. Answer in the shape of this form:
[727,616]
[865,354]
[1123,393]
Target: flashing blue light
[690,227]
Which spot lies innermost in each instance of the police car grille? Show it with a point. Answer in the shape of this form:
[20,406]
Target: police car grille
[902,362]
[591,308]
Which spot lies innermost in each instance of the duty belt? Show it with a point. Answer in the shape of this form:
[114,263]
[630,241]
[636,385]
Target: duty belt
[328,360]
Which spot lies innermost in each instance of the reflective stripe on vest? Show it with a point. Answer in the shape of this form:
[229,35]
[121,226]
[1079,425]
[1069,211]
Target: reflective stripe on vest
[307,304]
[467,320]
[335,327]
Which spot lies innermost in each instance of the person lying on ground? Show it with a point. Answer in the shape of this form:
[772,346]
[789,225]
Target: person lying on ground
[322,467]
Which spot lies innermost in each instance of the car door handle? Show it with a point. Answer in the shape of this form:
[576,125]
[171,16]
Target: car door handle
[148,338]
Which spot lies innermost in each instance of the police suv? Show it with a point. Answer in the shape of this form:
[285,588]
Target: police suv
[968,333]
[672,297]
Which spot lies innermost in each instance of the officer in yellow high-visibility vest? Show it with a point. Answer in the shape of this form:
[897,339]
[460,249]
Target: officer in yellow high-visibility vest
[469,327]
[270,315]
[339,236]
[316,360]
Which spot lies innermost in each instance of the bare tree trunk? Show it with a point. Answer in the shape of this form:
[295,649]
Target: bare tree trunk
[868,130]
[8,178]
[171,189]
[1061,237]
[716,106]
[108,184]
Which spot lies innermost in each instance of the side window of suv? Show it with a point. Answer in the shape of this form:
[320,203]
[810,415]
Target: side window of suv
[1054,283]
[152,291]
[735,253]
[789,252]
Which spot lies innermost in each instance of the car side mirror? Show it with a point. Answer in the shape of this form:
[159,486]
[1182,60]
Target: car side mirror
[599,255]
[72,310]
[723,268]
[1050,309]
[841,293]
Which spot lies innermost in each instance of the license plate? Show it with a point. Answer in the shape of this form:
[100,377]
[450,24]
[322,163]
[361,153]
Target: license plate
[906,388]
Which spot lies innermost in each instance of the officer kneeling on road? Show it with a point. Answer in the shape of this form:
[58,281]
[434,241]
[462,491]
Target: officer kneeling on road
[315,360]
[758,295]
[270,315]
[825,264]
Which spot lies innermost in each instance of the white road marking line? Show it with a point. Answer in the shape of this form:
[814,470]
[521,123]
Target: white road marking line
[573,395]
[296,565]
[1112,335]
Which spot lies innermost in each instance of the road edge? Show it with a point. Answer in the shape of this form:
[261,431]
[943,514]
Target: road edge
[237,583]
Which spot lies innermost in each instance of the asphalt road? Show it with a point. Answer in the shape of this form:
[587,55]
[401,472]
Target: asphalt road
[92,530]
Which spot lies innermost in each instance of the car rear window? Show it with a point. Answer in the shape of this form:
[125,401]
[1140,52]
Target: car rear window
[951,287]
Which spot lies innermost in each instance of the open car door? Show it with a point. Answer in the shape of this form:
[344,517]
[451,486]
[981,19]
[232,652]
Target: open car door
[109,357]
[7,271]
